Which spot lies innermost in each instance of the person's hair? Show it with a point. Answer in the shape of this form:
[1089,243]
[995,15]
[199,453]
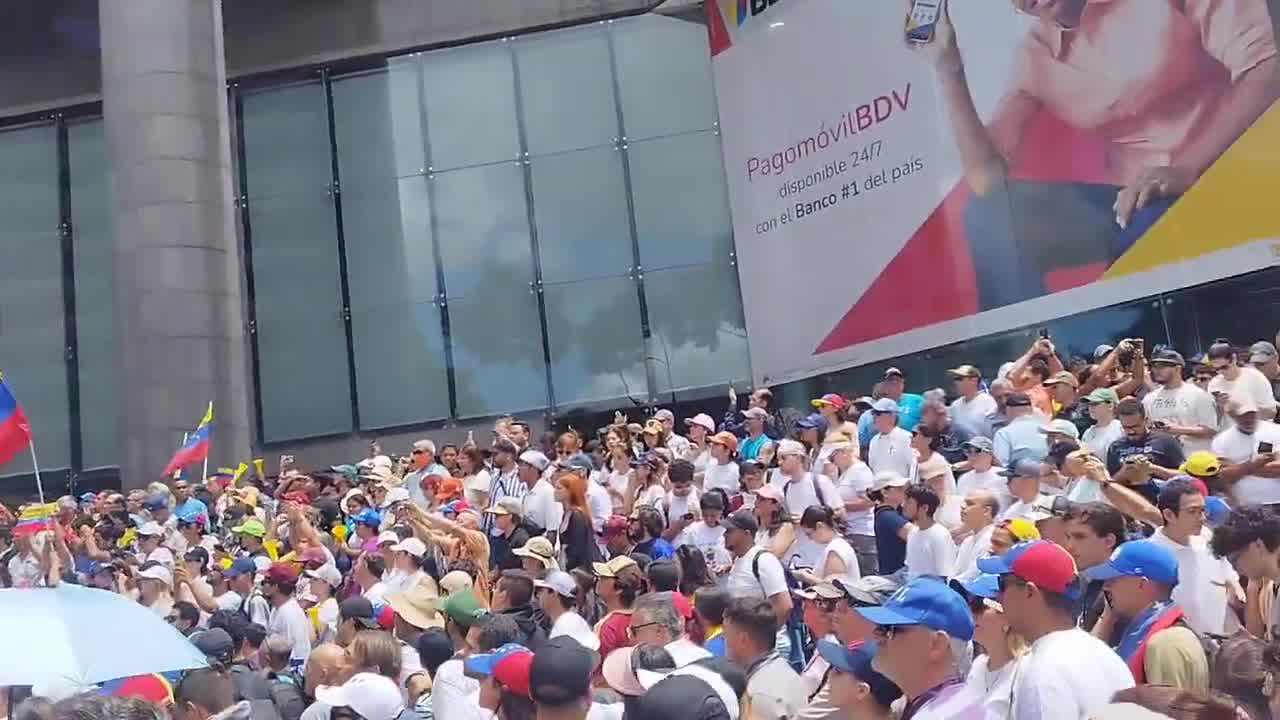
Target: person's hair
[1221,349]
[187,611]
[92,706]
[1060,602]
[512,706]
[755,618]
[651,520]
[924,496]
[376,651]
[1243,526]
[1039,366]
[1101,518]
[198,555]
[642,561]
[586,596]
[629,584]
[709,603]
[664,575]
[575,488]
[233,622]
[694,573]
[374,563]
[765,394]
[1130,407]
[441,652]
[935,437]
[815,514]
[209,689]
[1239,669]
[277,649]
[1178,703]
[1170,497]
[255,635]
[659,608]
[518,586]
[473,456]
[714,499]
[652,657]
[496,631]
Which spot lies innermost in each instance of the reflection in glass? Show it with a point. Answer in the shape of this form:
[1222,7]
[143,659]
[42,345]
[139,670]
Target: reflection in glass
[471,105]
[580,206]
[663,57]
[698,335]
[566,88]
[597,350]
[681,201]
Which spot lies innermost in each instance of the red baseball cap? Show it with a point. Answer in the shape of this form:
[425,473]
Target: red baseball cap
[512,672]
[1043,563]
[836,401]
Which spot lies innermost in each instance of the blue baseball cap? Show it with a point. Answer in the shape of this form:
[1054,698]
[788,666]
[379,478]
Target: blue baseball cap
[190,513]
[88,497]
[577,461]
[985,585]
[925,601]
[241,566]
[856,660]
[812,421]
[1140,558]
[482,665]
[369,517]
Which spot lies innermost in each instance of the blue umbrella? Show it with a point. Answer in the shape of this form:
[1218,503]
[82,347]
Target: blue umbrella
[74,637]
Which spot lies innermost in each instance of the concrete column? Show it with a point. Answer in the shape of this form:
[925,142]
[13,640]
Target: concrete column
[179,314]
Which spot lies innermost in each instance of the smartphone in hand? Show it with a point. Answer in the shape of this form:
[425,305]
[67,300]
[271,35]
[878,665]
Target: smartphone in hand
[1264,447]
[923,20]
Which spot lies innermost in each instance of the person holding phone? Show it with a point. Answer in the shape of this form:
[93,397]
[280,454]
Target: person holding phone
[1178,407]
[1247,450]
[1168,86]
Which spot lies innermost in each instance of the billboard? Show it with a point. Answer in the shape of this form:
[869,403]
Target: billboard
[1032,159]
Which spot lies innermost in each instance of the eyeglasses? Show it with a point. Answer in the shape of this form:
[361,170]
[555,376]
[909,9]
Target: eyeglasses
[416,452]
[633,629]
[888,632]
[1007,580]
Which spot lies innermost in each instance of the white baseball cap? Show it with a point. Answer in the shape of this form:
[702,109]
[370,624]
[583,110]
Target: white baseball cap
[151,528]
[412,545]
[374,696]
[387,536]
[702,420]
[889,478]
[395,495]
[536,459]
[158,572]
[328,573]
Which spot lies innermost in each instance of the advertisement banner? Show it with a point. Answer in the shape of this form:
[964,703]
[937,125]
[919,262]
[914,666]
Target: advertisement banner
[905,175]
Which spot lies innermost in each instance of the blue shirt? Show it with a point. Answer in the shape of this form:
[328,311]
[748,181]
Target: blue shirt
[191,508]
[656,549]
[891,550]
[910,406]
[750,448]
[1021,439]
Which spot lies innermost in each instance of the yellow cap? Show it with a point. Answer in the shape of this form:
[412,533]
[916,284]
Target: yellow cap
[1202,463]
[1022,529]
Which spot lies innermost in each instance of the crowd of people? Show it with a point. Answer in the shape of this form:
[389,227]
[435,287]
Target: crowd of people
[1064,538]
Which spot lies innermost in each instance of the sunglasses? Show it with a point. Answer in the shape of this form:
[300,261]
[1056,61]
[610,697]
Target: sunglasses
[1004,582]
[633,629]
[888,632]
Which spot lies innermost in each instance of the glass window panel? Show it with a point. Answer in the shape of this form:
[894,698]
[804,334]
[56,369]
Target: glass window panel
[698,335]
[471,105]
[95,296]
[286,140]
[301,338]
[392,282]
[31,307]
[664,76]
[378,124]
[497,351]
[681,201]
[482,223]
[1244,309]
[566,87]
[580,204]
[597,350]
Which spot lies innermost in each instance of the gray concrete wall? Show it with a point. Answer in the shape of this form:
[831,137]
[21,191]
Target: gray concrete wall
[179,318]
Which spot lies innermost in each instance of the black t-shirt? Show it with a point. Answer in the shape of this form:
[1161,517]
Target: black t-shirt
[891,550]
[1078,414]
[500,555]
[1161,448]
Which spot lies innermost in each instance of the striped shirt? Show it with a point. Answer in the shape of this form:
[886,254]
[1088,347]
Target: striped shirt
[504,485]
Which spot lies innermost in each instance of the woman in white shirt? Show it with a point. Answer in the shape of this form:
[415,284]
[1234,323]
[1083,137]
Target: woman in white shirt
[721,471]
[991,675]
[647,484]
[838,559]
[701,427]
[475,478]
[617,465]
[707,534]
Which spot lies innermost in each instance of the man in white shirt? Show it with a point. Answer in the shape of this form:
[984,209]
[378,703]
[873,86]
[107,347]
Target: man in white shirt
[890,448]
[1241,384]
[983,475]
[1205,581]
[279,584]
[801,488]
[1178,407]
[855,479]
[930,549]
[979,515]
[1069,674]
[677,444]
[1106,428]
[557,595]
[1250,466]
[1024,483]
[423,465]
[974,405]
[656,621]
[540,508]
[755,572]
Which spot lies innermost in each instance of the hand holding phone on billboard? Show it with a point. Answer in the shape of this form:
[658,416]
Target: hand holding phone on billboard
[929,31]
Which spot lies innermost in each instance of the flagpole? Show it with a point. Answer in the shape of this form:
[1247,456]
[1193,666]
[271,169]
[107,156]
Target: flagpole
[36,465]
[204,475]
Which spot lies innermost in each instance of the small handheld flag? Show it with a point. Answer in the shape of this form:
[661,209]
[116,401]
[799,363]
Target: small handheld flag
[239,473]
[15,430]
[195,448]
[35,519]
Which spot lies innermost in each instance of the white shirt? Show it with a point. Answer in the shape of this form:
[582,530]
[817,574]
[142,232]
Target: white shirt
[1020,509]
[598,501]
[891,452]
[1186,405]
[930,552]
[289,620]
[996,687]
[973,413]
[971,550]
[677,507]
[843,550]
[1235,447]
[540,506]
[161,555]
[572,625]
[853,484]
[477,486]
[741,582]
[1249,386]
[652,496]
[990,480]
[948,513]
[24,571]
[685,651]
[678,445]
[1098,437]
[708,540]
[454,695]
[229,600]
[1203,582]
[723,476]
[376,594]
[1069,675]
[327,613]
[807,490]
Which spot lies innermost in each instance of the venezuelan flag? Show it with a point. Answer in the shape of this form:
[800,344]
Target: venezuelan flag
[35,519]
[15,431]
[196,448]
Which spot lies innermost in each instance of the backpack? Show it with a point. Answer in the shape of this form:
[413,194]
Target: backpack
[817,490]
[797,631]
